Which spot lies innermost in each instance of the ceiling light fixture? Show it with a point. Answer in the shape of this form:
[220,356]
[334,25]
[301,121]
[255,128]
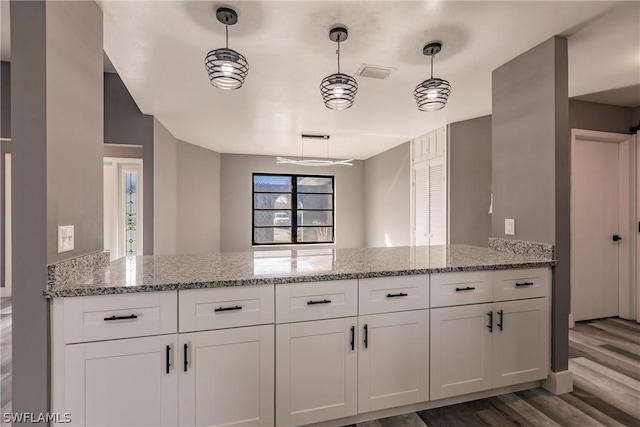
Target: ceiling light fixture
[227,68]
[338,90]
[314,162]
[433,93]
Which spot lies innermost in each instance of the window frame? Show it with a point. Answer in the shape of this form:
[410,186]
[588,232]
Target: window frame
[294,209]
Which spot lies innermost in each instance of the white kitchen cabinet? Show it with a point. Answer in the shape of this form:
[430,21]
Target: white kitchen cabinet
[393,360]
[483,346]
[460,350]
[126,382]
[226,377]
[521,341]
[316,371]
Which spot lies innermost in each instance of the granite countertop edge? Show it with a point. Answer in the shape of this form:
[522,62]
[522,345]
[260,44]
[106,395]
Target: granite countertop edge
[91,290]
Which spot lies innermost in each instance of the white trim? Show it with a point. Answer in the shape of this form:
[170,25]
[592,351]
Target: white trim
[627,287]
[559,382]
[5,291]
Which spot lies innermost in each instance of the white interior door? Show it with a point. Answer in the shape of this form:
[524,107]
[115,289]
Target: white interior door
[595,208]
[421,203]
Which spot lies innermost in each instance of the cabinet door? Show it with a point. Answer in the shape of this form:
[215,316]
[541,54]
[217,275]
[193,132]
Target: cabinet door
[226,377]
[316,371]
[393,360]
[521,341]
[460,350]
[127,382]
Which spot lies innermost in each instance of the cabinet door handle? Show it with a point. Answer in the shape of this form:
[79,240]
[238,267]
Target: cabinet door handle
[186,355]
[366,336]
[401,294]
[353,338]
[168,353]
[524,284]
[468,288]
[237,307]
[490,325]
[114,317]
[500,315]
[324,301]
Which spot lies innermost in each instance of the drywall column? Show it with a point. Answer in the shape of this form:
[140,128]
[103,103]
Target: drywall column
[530,165]
[165,198]
[57,120]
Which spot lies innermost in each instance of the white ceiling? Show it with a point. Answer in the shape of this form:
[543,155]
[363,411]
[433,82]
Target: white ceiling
[158,48]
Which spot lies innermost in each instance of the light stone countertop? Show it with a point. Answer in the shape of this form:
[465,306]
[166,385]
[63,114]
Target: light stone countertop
[171,272]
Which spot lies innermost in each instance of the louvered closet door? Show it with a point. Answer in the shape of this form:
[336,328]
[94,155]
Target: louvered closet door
[421,203]
[437,203]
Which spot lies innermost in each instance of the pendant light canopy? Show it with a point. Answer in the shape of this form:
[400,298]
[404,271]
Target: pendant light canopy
[338,90]
[433,93]
[227,68]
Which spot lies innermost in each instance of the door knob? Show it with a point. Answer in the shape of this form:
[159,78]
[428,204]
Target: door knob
[616,238]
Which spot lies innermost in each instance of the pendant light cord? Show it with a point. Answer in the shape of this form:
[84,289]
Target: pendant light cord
[338,53]
[226,29]
[432,65]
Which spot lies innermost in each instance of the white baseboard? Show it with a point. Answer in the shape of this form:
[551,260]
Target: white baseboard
[559,382]
[572,322]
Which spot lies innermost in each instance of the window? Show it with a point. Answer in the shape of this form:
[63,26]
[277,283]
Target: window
[292,209]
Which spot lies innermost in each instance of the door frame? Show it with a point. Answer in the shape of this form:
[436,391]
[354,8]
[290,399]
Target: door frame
[626,216]
[5,291]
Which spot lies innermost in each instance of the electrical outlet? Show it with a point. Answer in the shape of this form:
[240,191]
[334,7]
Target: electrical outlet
[65,238]
[510,227]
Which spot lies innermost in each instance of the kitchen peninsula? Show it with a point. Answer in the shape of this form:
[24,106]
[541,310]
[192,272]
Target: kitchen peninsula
[341,335]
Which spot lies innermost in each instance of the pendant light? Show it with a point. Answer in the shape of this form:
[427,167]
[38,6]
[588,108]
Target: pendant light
[433,93]
[227,68]
[338,90]
[314,162]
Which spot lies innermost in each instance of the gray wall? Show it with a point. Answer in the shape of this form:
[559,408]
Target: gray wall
[635,117]
[530,164]
[387,180]
[235,199]
[125,124]
[600,117]
[470,181]
[165,202]
[198,199]
[5,99]
[57,118]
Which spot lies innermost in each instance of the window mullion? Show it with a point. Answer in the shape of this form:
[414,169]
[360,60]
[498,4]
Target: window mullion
[294,209]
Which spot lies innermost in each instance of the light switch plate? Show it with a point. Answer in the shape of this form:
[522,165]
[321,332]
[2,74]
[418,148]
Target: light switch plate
[65,238]
[510,227]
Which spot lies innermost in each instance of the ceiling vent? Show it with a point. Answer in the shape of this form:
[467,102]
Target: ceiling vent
[379,72]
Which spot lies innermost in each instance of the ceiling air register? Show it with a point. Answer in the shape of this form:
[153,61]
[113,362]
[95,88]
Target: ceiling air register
[227,68]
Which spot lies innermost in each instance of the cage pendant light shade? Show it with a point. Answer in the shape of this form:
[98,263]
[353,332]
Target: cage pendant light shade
[226,68]
[338,90]
[433,93]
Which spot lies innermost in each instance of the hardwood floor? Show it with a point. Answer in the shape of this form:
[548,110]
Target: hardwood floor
[605,360]
[604,357]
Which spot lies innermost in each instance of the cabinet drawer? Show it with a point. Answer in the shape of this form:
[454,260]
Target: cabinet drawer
[467,287]
[219,308]
[399,293]
[520,284]
[297,302]
[105,317]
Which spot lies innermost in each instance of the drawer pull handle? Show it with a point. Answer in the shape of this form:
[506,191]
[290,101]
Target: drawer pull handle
[490,325]
[500,315]
[353,338]
[186,357]
[524,284]
[324,301]
[237,307]
[366,336]
[168,351]
[468,288]
[114,317]
[401,294]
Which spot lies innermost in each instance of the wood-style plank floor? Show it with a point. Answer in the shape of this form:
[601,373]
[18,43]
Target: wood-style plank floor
[604,357]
